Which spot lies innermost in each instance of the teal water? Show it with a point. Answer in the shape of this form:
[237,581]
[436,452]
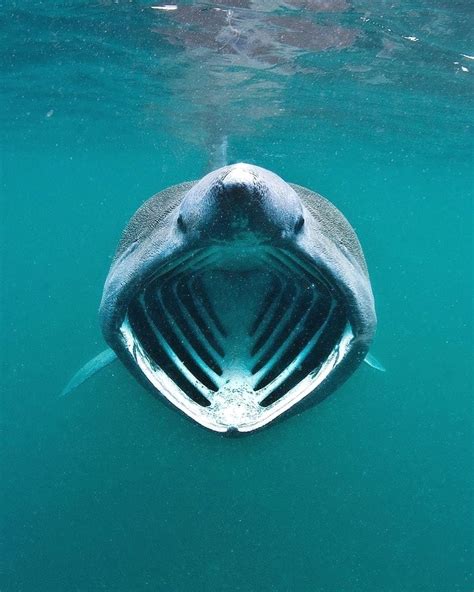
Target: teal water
[368,103]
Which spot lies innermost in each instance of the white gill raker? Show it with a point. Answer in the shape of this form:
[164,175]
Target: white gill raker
[187,316]
[294,292]
[269,388]
[204,390]
[308,384]
[205,308]
[269,303]
[212,349]
[299,263]
[295,339]
[273,321]
[150,310]
[161,321]
[287,276]
[273,313]
[283,348]
[198,360]
[294,346]
[195,308]
[193,258]
[161,380]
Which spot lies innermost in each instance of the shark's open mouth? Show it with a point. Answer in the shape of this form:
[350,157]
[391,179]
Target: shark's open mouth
[235,337]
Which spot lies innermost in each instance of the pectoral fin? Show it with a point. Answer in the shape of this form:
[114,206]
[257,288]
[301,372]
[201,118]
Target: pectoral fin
[100,361]
[374,363]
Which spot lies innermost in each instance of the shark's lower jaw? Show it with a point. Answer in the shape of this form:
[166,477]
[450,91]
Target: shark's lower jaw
[235,337]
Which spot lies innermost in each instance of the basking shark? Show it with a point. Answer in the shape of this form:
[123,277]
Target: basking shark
[237,299]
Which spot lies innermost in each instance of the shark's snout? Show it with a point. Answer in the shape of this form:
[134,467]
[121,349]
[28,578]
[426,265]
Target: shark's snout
[239,180]
[241,200]
[238,204]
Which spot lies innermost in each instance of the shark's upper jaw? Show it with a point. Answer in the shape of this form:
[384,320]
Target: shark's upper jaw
[235,337]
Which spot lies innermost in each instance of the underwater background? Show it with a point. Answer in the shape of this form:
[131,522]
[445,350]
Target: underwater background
[106,103]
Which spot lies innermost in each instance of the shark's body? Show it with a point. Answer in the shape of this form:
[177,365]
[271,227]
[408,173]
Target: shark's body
[238,298]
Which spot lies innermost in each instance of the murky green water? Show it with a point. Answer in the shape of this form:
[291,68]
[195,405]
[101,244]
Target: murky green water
[106,103]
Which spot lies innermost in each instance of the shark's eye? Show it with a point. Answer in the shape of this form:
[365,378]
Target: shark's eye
[181,224]
[299,224]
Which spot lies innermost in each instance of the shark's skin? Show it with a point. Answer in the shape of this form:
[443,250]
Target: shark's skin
[248,239]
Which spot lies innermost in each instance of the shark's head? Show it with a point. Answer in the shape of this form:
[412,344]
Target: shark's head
[236,299]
